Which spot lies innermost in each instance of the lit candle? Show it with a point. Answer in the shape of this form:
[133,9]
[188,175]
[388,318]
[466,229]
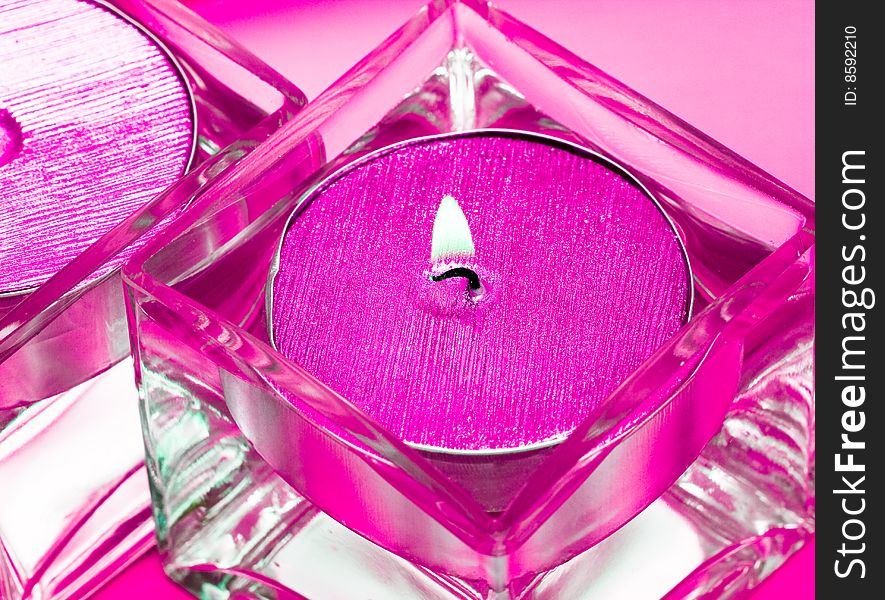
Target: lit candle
[94,122]
[478,294]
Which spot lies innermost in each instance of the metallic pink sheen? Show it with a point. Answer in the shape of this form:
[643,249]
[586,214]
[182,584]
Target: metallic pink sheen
[585,276]
[94,122]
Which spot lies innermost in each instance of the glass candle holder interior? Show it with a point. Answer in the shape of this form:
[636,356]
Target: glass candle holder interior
[103,106]
[696,468]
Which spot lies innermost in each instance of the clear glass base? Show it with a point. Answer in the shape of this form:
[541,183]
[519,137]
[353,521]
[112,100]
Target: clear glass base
[74,505]
[263,540]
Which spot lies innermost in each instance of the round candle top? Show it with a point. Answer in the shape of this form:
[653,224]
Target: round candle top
[94,121]
[478,292]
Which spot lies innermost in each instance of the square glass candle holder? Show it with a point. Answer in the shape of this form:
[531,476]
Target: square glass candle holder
[693,479]
[74,500]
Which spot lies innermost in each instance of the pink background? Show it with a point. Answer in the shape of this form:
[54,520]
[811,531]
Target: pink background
[740,70]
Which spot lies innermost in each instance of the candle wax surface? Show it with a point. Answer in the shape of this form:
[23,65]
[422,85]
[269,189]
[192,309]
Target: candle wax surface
[584,279]
[94,122]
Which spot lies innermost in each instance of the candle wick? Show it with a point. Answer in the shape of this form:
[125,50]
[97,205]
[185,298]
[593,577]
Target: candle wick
[469,274]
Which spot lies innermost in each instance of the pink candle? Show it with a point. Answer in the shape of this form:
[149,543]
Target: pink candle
[94,122]
[581,278]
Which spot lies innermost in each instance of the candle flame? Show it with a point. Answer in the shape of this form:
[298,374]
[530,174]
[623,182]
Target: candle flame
[451,233]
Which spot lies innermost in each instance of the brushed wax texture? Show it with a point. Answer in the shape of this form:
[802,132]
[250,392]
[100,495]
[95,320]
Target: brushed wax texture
[94,122]
[583,276]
